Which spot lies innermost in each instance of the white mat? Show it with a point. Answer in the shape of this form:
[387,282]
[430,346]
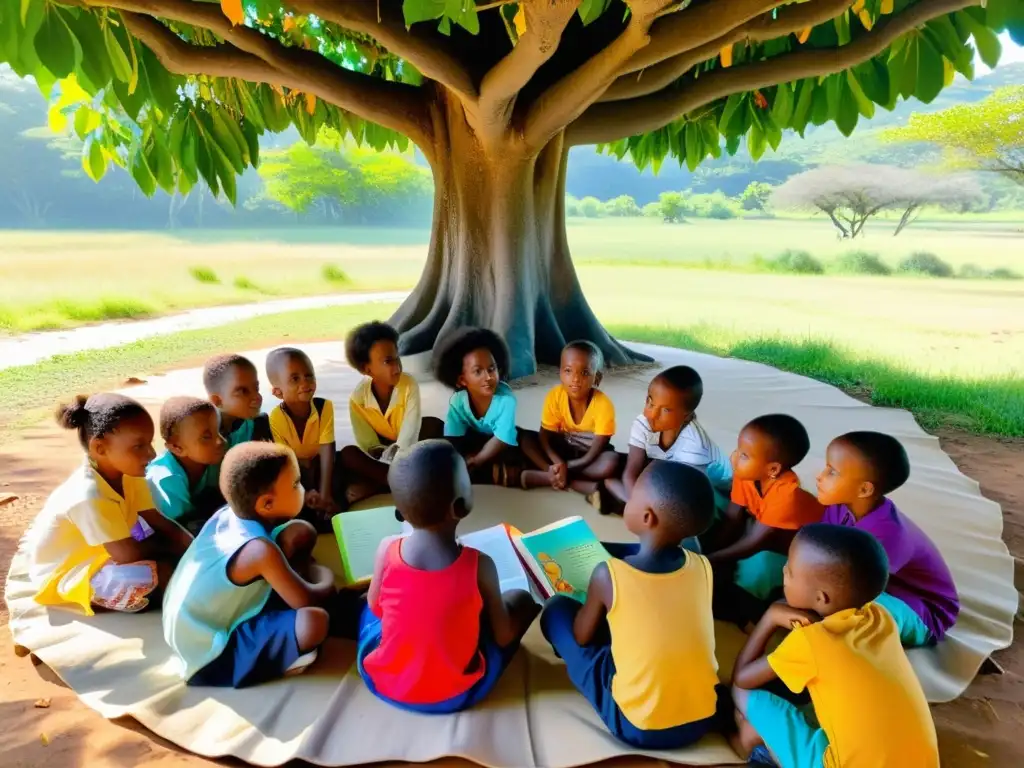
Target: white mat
[117,664]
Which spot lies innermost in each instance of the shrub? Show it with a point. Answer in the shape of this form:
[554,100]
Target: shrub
[334,274]
[204,275]
[862,263]
[572,206]
[796,262]
[972,272]
[1003,273]
[924,263]
[243,283]
[105,308]
[622,206]
[591,208]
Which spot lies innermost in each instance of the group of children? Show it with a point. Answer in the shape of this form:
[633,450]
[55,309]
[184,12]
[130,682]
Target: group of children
[233,506]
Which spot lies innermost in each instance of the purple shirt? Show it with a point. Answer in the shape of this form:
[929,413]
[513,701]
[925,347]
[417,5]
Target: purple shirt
[917,573]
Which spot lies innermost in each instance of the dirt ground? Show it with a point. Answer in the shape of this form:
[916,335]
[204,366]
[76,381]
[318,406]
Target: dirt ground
[982,728]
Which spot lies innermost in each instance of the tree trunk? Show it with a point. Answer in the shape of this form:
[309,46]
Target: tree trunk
[498,256]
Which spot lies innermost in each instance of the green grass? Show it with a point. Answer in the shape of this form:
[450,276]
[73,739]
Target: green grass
[28,393]
[204,275]
[334,274]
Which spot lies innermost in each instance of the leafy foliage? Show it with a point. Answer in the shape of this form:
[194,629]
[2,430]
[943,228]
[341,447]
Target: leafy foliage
[924,263]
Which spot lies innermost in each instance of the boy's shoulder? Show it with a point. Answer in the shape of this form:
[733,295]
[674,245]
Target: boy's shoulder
[163,466]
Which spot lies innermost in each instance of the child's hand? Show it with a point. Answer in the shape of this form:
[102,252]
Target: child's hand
[559,476]
[329,506]
[471,462]
[787,617]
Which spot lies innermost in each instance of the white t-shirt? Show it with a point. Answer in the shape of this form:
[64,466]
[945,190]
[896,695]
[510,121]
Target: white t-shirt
[693,447]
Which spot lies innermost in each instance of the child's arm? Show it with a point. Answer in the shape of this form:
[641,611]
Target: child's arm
[508,615]
[367,439]
[597,447]
[757,538]
[752,669]
[327,454]
[373,594]
[634,466]
[261,558]
[177,539]
[595,610]
[412,421]
[548,448]
[492,450]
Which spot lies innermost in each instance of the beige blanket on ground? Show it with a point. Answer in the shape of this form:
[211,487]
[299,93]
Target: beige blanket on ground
[119,664]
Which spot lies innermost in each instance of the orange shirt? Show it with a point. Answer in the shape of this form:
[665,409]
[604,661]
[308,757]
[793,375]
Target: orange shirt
[784,505]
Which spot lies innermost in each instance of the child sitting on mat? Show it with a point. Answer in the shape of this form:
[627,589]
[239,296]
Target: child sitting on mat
[184,479]
[99,541]
[844,650]
[642,648]
[668,430]
[481,416]
[233,387]
[574,449]
[768,507]
[436,632]
[861,469]
[242,608]
[384,410]
[305,423]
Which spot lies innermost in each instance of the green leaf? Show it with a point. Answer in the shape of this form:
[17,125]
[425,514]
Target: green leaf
[834,92]
[142,173]
[694,145]
[909,65]
[865,106]
[732,144]
[782,109]
[930,71]
[204,163]
[55,45]
[24,11]
[95,60]
[93,162]
[225,173]
[591,10]
[465,15]
[802,109]
[847,113]
[252,138]
[987,42]
[87,120]
[118,58]
[162,86]
[756,143]
[422,10]
[772,132]
[731,105]
[161,163]
[819,107]
[873,77]
[188,152]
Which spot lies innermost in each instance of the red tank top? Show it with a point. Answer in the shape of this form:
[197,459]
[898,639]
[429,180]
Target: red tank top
[430,630]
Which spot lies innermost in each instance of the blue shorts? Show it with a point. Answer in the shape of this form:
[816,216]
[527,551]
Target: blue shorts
[496,659]
[760,574]
[260,649]
[793,740]
[591,669]
[914,633]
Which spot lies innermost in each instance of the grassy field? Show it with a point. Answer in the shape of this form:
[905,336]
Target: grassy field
[62,279]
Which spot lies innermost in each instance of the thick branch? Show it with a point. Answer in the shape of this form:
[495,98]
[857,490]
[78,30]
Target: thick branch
[546,20]
[612,121]
[384,24]
[789,20]
[393,105]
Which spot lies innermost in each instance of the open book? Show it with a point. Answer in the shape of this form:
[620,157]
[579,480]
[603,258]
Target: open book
[561,557]
[359,534]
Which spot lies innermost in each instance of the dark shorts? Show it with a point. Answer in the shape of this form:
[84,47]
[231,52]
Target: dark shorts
[496,659]
[259,650]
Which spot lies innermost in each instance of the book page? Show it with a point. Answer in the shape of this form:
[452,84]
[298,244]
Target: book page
[495,543]
[359,534]
[567,556]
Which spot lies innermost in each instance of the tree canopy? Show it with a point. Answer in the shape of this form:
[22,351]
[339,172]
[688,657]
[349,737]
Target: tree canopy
[988,136]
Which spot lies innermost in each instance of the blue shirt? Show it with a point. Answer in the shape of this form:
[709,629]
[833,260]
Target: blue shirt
[173,494]
[499,421]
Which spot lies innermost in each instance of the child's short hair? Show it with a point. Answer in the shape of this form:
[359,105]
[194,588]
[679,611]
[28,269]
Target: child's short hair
[449,353]
[884,454]
[282,355]
[250,470]
[176,410]
[361,339]
[424,481]
[681,492]
[857,563]
[217,368]
[588,348]
[790,443]
[686,381]
[96,415]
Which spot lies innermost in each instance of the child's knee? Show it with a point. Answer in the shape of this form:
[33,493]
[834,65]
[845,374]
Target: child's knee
[311,628]
[559,614]
[297,539]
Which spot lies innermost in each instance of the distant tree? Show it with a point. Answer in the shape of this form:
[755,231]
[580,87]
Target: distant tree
[672,207]
[984,136]
[622,206]
[850,195]
[572,206]
[715,205]
[651,211]
[756,196]
[591,208]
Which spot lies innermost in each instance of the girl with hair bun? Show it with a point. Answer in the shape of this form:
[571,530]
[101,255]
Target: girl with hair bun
[99,541]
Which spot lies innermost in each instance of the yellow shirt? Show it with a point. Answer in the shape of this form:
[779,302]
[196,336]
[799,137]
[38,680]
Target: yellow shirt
[663,644]
[865,693]
[319,430]
[399,423]
[599,418]
[65,542]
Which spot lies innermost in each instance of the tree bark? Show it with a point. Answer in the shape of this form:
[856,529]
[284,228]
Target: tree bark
[498,256]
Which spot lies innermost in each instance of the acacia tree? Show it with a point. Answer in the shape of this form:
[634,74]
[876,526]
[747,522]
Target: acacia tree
[494,93]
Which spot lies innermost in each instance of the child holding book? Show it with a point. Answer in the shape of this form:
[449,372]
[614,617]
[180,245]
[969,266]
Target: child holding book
[844,650]
[184,479]
[233,387]
[574,449]
[99,541]
[305,423]
[768,507]
[481,420]
[862,469]
[437,632]
[668,430]
[384,410]
[245,605]
[642,647]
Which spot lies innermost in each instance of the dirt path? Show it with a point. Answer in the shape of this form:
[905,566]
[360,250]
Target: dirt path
[982,728]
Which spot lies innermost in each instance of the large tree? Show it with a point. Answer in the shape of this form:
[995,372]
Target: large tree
[493,93]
